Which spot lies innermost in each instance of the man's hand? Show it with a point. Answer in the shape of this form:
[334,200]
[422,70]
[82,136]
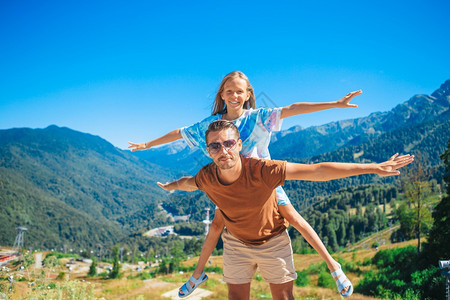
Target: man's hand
[184,184]
[166,186]
[389,168]
[344,101]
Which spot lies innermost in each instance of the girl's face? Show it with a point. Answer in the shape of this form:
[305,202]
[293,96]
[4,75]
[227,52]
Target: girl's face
[235,93]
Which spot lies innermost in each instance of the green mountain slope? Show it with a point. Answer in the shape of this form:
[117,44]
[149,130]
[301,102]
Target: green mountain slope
[302,143]
[430,139]
[421,124]
[71,187]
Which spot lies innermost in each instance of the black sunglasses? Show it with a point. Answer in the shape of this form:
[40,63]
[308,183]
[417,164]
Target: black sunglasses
[216,146]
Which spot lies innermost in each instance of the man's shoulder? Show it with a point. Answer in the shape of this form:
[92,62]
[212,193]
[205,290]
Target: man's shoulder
[255,162]
[259,171]
[207,168]
[263,161]
[204,176]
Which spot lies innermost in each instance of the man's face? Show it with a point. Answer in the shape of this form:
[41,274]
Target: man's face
[227,156]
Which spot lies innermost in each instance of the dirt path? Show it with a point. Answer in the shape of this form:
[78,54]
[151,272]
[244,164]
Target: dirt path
[38,260]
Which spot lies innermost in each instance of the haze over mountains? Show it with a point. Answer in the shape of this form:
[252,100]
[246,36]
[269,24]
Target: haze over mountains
[71,187]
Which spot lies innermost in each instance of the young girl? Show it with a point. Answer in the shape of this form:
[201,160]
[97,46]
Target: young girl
[235,101]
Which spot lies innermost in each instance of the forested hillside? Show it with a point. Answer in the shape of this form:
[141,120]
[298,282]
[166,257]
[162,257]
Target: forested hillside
[349,214]
[316,140]
[429,139]
[70,187]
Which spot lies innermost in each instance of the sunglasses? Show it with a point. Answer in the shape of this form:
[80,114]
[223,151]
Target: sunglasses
[216,146]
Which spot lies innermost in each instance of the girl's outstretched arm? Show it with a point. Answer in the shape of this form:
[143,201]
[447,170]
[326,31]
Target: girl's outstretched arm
[167,138]
[309,107]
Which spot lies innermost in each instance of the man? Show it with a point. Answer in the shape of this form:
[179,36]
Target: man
[243,190]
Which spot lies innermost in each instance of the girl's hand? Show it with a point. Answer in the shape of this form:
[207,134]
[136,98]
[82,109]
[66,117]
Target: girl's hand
[137,147]
[344,101]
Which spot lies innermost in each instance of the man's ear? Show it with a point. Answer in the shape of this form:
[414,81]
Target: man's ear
[239,144]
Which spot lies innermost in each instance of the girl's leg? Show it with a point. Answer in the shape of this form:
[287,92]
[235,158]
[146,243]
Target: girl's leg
[296,220]
[215,230]
[288,212]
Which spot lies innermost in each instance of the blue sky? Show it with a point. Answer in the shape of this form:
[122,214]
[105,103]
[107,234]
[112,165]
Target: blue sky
[136,70]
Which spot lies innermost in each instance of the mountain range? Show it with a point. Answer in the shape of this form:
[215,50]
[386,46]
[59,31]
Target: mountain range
[74,188]
[71,187]
[298,142]
[418,126]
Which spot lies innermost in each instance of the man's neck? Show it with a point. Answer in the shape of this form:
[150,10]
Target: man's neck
[229,176]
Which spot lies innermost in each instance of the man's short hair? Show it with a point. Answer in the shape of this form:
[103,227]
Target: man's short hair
[220,125]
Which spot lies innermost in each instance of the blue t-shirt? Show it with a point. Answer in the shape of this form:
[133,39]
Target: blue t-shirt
[255,127]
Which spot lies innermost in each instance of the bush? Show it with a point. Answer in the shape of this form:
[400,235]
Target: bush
[146,275]
[258,277]
[103,275]
[214,270]
[93,268]
[302,278]
[399,277]
[317,268]
[367,261]
[326,280]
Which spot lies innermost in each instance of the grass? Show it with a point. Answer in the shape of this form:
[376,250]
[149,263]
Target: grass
[58,283]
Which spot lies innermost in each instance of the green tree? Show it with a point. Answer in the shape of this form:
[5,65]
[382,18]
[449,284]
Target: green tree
[418,193]
[406,217]
[332,239]
[352,234]
[163,269]
[115,273]
[93,268]
[438,240]
[341,233]
[28,259]
[177,255]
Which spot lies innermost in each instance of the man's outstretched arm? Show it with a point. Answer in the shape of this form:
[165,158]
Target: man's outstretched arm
[331,170]
[183,184]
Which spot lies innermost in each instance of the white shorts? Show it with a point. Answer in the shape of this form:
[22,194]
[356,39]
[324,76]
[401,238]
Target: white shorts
[274,260]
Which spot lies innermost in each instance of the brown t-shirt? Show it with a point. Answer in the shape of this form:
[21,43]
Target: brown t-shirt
[248,205]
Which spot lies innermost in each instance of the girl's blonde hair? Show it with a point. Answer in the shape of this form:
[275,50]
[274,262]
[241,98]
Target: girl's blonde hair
[219,104]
